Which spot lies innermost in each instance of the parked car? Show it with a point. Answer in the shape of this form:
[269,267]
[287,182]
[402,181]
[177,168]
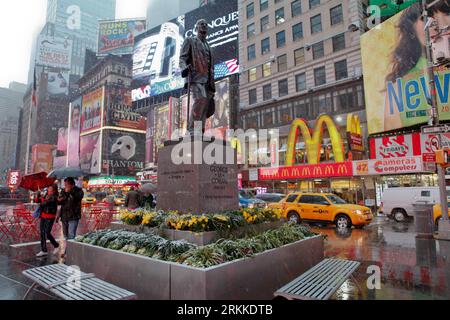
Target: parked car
[398,203]
[119,201]
[245,201]
[323,207]
[89,199]
[270,197]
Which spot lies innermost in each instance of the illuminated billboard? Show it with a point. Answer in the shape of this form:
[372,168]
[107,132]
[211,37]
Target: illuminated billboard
[54,52]
[157,51]
[395,80]
[117,36]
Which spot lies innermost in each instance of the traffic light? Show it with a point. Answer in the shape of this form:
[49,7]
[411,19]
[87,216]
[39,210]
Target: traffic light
[442,157]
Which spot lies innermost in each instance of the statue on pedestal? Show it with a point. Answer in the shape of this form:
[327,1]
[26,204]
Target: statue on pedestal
[197,66]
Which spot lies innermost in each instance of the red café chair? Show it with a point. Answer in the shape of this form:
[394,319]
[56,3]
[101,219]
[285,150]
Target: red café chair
[25,223]
[5,227]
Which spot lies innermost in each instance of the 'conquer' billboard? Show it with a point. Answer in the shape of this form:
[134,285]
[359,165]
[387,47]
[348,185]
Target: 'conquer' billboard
[157,51]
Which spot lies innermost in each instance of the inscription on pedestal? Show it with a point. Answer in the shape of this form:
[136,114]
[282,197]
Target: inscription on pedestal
[196,188]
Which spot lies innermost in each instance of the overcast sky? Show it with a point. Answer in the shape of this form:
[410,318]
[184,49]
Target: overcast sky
[21,20]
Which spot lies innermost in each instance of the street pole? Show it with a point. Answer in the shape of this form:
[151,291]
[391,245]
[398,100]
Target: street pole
[434,109]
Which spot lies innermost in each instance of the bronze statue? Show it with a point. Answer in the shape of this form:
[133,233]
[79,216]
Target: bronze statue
[197,67]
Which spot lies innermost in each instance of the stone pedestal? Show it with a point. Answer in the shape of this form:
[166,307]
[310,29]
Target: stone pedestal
[197,176]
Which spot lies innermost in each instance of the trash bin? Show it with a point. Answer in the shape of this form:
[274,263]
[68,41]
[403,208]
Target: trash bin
[423,220]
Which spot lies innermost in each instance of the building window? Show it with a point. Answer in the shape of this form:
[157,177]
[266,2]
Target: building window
[282,63]
[336,15]
[263,4]
[250,30]
[320,76]
[318,50]
[316,24]
[250,10]
[252,99]
[281,39]
[267,92]
[264,23]
[267,69]
[340,69]
[300,82]
[252,75]
[265,45]
[251,53]
[283,88]
[296,8]
[297,31]
[299,56]
[313,3]
[338,42]
[279,16]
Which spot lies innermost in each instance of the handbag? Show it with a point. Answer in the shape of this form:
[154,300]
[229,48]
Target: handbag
[37,213]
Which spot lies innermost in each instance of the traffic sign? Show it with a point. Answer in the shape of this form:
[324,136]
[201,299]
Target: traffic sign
[444,128]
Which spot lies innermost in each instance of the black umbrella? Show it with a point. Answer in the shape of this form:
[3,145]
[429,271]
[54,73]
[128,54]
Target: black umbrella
[67,172]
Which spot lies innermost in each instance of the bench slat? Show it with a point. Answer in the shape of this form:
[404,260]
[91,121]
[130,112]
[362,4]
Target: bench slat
[111,289]
[54,278]
[321,281]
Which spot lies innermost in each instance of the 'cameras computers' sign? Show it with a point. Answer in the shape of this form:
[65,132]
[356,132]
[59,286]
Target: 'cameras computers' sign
[157,51]
[395,80]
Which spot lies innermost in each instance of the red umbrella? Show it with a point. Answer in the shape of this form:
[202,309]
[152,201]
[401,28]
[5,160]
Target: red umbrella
[37,181]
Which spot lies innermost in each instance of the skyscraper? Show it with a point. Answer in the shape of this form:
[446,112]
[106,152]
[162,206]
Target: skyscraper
[74,25]
[159,11]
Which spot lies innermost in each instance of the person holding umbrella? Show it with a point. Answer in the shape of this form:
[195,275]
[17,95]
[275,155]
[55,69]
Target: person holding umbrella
[70,215]
[49,208]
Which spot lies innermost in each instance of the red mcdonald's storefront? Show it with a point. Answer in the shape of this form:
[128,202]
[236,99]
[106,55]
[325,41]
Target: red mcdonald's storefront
[338,178]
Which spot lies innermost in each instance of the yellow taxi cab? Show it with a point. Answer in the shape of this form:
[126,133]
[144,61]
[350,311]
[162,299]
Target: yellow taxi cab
[323,207]
[89,199]
[119,201]
[437,213]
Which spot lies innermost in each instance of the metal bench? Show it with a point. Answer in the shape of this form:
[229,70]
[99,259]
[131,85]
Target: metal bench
[70,284]
[321,281]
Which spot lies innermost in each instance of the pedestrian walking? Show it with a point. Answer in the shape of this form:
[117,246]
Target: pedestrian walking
[132,201]
[70,200]
[49,207]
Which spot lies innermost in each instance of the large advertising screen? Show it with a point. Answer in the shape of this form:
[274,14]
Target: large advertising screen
[73,141]
[58,83]
[123,152]
[91,115]
[54,52]
[157,51]
[395,80]
[117,36]
[149,150]
[90,148]
[119,110]
[218,124]
[42,158]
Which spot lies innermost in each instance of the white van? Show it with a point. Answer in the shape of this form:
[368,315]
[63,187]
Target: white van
[397,203]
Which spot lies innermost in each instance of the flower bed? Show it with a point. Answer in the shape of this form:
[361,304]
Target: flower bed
[221,222]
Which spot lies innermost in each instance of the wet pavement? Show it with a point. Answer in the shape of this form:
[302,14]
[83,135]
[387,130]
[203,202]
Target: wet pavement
[409,268]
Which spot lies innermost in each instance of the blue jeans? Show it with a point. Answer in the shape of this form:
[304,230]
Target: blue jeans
[70,229]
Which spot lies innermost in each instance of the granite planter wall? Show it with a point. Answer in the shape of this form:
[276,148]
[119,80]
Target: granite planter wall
[257,277]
